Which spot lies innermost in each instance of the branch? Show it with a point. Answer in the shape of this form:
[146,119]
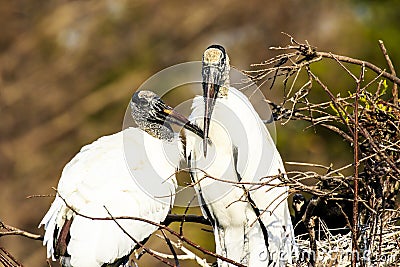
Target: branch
[309,221]
[364,118]
[395,92]
[137,242]
[311,54]
[359,62]
[7,260]
[160,226]
[184,239]
[171,248]
[356,165]
[11,230]
[189,255]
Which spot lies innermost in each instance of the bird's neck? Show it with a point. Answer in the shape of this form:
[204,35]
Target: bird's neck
[158,131]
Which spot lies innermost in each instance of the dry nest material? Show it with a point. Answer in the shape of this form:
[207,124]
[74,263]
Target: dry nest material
[368,118]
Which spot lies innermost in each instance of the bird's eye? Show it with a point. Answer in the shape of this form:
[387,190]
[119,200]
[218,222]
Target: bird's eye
[143,102]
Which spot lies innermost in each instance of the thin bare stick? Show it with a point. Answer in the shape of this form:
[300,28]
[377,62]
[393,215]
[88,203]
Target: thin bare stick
[344,67]
[141,245]
[171,248]
[189,255]
[395,92]
[356,165]
[42,195]
[367,64]
[8,260]
[310,54]
[333,98]
[11,230]
[184,215]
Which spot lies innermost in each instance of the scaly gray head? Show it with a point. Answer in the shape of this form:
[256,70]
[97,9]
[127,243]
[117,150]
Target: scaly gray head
[299,202]
[153,116]
[215,73]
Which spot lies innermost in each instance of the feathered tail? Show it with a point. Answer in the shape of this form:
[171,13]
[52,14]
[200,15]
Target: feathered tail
[49,222]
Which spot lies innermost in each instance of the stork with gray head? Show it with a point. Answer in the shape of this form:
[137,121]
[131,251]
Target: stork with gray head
[106,179]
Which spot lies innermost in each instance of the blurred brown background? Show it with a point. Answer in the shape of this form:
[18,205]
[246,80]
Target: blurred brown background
[68,69]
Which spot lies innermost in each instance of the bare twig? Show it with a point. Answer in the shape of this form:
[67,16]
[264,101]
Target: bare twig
[356,165]
[8,260]
[367,64]
[309,222]
[171,248]
[141,245]
[392,71]
[11,230]
[311,54]
[189,255]
[42,195]
[336,103]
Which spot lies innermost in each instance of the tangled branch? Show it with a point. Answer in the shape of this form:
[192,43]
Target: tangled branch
[364,118]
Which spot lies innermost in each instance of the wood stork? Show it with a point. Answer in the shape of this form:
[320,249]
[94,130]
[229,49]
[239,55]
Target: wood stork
[332,212]
[98,177]
[299,205]
[252,225]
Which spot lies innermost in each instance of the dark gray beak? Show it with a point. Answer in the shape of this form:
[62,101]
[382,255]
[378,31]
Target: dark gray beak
[176,118]
[211,84]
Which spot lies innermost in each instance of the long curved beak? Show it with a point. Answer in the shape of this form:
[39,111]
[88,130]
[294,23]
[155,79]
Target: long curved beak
[174,117]
[211,85]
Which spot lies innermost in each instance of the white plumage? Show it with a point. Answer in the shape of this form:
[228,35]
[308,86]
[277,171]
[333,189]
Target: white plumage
[110,173]
[242,150]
